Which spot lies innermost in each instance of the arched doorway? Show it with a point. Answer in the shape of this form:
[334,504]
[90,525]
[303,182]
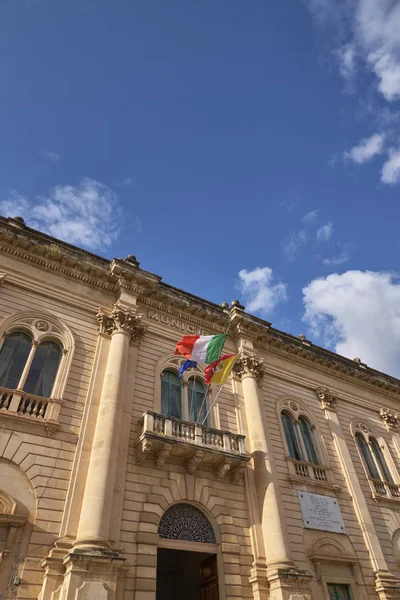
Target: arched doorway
[187,556]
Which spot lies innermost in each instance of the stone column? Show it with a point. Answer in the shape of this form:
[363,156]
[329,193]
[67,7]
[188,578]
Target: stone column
[123,325]
[281,577]
[385,583]
[250,370]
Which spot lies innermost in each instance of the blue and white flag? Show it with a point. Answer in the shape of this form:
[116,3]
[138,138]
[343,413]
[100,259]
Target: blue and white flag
[188,364]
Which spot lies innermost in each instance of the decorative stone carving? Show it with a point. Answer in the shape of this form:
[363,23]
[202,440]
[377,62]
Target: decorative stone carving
[188,523]
[327,399]
[248,364]
[238,472]
[2,277]
[121,319]
[42,325]
[163,454]
[222,469]
[194,461]
[143,450]
[390,418]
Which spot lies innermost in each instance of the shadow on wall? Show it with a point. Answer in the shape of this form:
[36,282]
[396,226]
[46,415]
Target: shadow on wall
[17,516]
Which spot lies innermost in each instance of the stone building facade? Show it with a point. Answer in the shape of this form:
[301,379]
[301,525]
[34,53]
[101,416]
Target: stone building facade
[110,489]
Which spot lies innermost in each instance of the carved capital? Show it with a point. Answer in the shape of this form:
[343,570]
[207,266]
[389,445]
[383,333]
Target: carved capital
[390,418]
[194,461]
[248,364]
[327,399]
[121,319]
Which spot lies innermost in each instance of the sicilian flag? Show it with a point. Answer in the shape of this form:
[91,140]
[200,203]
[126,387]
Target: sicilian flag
[201,348]
[218,371]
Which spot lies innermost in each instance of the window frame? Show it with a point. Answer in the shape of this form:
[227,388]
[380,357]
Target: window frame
[173,362]
[347,584]
[303,473]
[381,486]
[26,370]
[42,327]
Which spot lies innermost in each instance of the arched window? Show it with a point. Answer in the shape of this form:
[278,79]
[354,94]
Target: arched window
[171,395]
[196,400]
[292,439]
[43,371]
[367,456]
[18,351]
[308,438]
[13,356]
[380,459]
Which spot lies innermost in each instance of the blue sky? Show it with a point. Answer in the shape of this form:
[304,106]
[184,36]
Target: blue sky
[239,149]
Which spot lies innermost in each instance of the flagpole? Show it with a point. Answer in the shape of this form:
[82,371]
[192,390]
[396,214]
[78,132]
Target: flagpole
[204,399]
[212,404]
[193,392]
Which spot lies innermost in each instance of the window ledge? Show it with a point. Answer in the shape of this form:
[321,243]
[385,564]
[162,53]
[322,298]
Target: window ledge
[381,499]
[312,485]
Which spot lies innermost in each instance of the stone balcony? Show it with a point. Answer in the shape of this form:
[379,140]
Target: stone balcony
[16,404]
[163,436]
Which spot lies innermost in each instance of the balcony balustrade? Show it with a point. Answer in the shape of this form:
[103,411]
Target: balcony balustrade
[163,436]
[18,404]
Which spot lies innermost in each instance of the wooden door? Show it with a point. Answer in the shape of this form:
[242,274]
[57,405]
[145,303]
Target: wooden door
[209,578]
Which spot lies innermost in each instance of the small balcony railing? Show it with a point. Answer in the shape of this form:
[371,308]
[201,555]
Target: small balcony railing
[17,403]
[197,444]
[385,489]
[307,470]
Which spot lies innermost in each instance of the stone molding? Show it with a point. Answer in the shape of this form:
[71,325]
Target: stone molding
[121,320]
[327,399]
[248,364]
[46,252]
[390,418]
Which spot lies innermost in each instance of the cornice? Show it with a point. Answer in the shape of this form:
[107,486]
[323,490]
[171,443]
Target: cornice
[113,275]
[333,365]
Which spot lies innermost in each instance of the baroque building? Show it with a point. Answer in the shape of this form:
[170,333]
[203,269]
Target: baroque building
[113,488]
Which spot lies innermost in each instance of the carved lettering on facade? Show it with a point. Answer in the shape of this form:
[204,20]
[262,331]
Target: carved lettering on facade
[175,323]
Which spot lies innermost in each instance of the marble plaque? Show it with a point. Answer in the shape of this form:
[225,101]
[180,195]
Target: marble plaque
[321,512]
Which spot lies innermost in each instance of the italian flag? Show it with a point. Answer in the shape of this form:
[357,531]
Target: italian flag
[201,348]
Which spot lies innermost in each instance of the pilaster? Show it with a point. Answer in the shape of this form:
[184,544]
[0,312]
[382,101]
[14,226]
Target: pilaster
[386,585]
[91,567]
[268,579]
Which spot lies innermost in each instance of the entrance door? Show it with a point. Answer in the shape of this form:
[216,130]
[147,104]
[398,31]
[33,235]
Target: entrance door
[186,575]
[209,578]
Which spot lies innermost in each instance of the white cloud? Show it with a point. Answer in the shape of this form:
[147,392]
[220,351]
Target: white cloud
[337,260]
[366,149]
[347,61]
[310,216]
[293,243]
[324,233]
[391,169]
[50,155]
[15,205]
[259,290]
[358,314]
[87,214]
[370,31]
